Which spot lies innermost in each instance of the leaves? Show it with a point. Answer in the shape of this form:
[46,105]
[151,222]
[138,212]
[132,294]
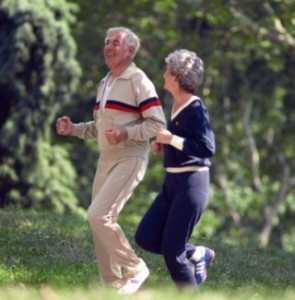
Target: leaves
[38,73]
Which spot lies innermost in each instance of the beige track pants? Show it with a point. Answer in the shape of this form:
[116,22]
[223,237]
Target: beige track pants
[114,182]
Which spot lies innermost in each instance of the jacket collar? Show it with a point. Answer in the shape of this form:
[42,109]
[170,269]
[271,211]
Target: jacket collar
[125,75]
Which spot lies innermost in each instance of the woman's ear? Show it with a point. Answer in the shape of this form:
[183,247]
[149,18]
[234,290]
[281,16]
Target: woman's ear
[176,77]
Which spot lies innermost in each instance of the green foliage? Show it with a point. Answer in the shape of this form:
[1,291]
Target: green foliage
[38,73]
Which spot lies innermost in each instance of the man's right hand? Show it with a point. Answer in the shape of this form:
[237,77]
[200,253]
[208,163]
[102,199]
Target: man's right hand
[64,126]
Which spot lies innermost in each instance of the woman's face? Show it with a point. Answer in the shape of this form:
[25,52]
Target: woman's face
[170,80]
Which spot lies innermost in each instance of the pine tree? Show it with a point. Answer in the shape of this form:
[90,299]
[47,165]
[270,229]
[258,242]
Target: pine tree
[38,75]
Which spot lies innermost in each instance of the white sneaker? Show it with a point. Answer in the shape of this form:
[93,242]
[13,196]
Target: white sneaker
[134,283]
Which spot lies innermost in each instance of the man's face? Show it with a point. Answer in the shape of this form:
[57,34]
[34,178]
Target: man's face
[115,50]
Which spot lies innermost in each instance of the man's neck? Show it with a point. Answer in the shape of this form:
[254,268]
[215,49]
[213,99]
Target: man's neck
[118,70]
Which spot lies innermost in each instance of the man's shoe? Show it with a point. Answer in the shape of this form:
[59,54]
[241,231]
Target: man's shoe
[201,264]
[134,283]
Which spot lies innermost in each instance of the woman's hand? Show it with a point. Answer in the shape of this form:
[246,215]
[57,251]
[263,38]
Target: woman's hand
[164,136]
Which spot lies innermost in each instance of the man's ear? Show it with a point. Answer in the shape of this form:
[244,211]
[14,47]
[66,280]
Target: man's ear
[131,50]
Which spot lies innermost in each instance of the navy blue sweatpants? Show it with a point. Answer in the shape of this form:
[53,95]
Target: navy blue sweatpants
[168,224]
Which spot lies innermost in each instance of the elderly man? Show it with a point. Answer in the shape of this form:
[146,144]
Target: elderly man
[127,115]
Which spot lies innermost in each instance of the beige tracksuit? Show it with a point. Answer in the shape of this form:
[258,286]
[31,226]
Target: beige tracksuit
[132,103]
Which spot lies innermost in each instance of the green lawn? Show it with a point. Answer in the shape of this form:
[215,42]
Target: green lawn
[48,256]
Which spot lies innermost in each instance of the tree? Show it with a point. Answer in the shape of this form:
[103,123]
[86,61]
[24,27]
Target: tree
[39,73]
[251,77]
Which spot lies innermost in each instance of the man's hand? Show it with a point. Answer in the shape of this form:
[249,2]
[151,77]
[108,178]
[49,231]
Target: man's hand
[157,148]
[64,126]
[116,134]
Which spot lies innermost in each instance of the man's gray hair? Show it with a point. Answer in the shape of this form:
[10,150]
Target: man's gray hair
[131,38]
[188,68]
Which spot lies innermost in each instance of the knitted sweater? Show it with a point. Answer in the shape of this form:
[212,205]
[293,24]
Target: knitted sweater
[195,138]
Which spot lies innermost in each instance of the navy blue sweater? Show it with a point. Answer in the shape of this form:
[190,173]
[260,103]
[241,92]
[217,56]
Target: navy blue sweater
[192,124]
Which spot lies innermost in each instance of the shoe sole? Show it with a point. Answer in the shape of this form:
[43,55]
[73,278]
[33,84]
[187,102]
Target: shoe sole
[211,257]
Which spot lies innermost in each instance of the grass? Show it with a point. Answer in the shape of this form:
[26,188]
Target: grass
[48,256]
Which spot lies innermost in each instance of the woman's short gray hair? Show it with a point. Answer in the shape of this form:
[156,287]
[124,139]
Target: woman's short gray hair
[188,68]
[131,38]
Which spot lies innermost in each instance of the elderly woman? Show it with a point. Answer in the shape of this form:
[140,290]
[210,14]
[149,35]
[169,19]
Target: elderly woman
[187,144]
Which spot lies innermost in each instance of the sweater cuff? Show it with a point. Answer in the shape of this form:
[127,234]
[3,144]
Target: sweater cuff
[177,142]
[78,129]
[131,132]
